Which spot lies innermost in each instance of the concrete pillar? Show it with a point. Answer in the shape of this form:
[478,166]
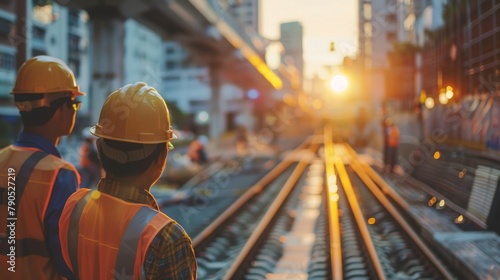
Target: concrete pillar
[20,38]
[107,52]
[216,116]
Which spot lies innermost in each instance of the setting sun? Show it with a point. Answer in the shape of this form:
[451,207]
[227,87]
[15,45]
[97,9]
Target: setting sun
[339,83]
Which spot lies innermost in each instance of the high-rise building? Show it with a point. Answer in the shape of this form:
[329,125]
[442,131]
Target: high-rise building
[187,84]
[136,57]
[7,54]
[64,33]
[184,83]
[291,35]
[143,53]
[247,13]
[461,47]
[50,30]
[428,16]
[382,25]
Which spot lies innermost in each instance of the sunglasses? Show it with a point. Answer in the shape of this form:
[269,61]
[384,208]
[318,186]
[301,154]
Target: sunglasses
[74,104]
[69,103]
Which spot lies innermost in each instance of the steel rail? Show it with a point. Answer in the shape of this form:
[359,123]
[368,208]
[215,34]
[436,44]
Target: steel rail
[268,217]
[358,215]
[357,166]
[404,205]
[332,206]
[251,192]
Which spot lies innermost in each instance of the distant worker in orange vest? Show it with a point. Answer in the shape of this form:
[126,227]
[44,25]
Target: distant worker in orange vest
[392,138]
[34,181]
[118,231]
[196,150]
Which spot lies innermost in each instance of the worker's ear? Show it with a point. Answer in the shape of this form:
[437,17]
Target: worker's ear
[98,144]
[59,114]
[161,160]
[164,153]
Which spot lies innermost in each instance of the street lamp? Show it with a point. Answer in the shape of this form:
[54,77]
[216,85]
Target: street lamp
[443,99]
[449,92]
[429,102]
[445,95]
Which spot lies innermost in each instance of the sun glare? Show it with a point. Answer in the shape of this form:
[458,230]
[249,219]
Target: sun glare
[339,83]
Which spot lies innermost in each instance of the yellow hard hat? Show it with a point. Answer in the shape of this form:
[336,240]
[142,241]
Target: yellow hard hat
[135,113]
[45,74]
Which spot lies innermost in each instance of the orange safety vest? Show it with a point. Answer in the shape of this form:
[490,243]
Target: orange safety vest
[104,237]
[392,136]
[27,177]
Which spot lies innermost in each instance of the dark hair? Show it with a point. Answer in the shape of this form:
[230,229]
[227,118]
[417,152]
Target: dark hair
[37,116]
[130,168]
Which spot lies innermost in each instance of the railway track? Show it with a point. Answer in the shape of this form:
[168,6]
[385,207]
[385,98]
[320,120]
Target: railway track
[377,240]
[255,223]
[318,214]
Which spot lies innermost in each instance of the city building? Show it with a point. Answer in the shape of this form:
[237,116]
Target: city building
[428,16]
[143,54]
[7,57]
[64,33]
[187,85]
[50,30]
[247,13]
[460,47]
[186,81]
[137,57]
[291,35]
[386,51]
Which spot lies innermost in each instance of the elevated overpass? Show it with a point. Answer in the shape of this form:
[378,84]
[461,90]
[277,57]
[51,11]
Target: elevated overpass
[202,26]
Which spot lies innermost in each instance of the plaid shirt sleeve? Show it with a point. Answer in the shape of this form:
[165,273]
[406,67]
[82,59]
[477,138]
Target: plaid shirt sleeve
[171,255]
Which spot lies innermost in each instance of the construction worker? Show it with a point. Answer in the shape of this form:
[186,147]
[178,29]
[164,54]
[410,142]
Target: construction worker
[118,231]
[196,150]
[392,143]
[34,181]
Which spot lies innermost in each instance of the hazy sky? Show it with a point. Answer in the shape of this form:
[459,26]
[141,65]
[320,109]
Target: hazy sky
[322,21]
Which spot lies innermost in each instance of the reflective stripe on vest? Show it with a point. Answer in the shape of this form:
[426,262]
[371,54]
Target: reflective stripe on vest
[128,248]
[125,260]
[33,192]
[74,225]
[25,173]
[25,246]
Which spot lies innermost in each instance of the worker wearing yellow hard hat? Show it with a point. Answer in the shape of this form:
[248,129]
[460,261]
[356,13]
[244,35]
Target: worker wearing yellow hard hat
[34,178]
[118,229]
